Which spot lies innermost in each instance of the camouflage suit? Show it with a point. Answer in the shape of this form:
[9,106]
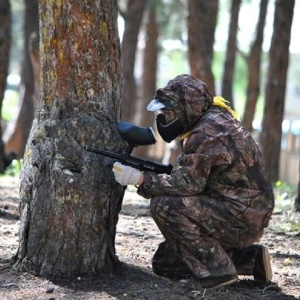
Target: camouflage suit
[218,199]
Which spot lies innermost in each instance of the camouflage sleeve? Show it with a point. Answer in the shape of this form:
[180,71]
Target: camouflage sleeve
[178,183]
[191,177]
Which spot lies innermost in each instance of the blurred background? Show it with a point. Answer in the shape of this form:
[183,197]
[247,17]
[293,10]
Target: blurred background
[226,43]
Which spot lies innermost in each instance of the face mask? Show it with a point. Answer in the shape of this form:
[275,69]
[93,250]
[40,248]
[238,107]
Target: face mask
[169,131]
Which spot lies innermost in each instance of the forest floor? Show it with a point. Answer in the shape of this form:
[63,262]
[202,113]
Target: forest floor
[136,241]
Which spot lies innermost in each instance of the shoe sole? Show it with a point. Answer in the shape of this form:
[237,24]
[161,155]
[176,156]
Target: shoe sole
[267,264]
[231,281]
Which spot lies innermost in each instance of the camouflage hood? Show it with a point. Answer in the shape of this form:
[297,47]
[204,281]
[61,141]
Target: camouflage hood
[189,96]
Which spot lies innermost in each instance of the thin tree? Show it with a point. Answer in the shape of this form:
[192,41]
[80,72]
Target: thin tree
[201,23]
[148,84]
[68,197]
[297,200]
[229,66]
[5,42]
[34,50]
[133,17]
[150,60]
[254,68]
[17,131]
[270,137]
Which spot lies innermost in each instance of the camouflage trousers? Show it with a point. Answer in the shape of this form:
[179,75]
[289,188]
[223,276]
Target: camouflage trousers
[201,234]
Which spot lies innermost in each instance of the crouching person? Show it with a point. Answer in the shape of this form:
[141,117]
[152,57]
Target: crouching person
[211,210]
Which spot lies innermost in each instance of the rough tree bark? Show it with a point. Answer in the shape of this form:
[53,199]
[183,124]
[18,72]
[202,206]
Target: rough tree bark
[201,23]
[17,132]
[229,65]
[5,41]
[69,199]
[270,137]
[254,64]
[133,19]
[34,50]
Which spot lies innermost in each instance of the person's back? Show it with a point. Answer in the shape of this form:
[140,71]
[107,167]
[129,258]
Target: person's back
[232,164]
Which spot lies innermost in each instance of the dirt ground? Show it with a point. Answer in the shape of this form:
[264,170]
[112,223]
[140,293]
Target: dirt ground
[137,239]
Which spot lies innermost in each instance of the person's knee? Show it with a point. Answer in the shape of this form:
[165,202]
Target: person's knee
[155,205]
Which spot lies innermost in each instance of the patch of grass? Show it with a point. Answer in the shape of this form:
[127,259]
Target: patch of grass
[289,220]
[284,196]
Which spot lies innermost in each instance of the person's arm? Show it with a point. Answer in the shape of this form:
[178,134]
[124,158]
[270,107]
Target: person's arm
[196,169]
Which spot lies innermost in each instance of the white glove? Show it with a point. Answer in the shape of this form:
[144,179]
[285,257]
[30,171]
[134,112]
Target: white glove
[126,175]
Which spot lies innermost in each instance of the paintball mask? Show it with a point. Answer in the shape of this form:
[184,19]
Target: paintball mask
[168,124]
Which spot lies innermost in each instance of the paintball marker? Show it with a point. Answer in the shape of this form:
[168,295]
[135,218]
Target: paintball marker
[134,136]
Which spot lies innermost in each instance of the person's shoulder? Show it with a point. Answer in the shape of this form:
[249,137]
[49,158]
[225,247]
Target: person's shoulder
[217,113]
[217,123]
[213,118]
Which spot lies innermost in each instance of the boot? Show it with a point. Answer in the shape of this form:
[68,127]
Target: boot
[253,260]
[167,263]
[214,282]
[262,270]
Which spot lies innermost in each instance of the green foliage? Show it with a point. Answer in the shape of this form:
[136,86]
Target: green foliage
[13,169]
[172,63]
[289,220]
[217,65]
[284,193]
[240,84]
[170,18]
[10,105]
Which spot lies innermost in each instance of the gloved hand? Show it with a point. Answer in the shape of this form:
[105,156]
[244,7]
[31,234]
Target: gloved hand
[126,175]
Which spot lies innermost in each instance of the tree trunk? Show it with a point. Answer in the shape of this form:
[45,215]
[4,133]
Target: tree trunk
[133,19]
[34,50]
[69,199]
[270,138]
[297,200]
[201,23]
[253,63]
[148,88]
[16,135]
[5,41]
[229,66]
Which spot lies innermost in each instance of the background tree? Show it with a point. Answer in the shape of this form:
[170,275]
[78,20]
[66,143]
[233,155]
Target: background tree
[270,137]
[34,50]
[201,24]
[17,132]
[133,18]
[297,200]
[229,66]
[5,41]
[148,84]
[68,197]
[254,67]
[172,27]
